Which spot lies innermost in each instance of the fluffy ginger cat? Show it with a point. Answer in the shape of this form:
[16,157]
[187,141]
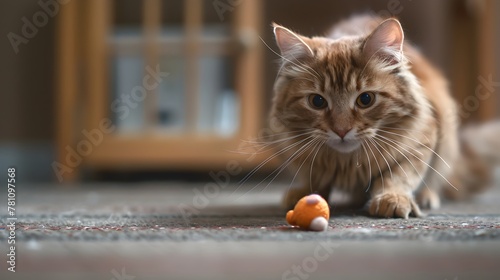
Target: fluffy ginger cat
[365,113]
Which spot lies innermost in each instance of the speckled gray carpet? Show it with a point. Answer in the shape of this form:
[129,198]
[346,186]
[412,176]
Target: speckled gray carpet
[157,231]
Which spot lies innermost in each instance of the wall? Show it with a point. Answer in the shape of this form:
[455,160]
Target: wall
[26,94]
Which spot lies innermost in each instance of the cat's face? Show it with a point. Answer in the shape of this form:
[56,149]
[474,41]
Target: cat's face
[343,90]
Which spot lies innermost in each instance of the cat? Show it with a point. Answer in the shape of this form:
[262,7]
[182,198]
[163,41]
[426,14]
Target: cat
[364,112]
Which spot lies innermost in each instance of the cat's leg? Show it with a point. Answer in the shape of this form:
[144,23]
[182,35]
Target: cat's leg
[315,183]
[436,178]
[392,196]
[428,198]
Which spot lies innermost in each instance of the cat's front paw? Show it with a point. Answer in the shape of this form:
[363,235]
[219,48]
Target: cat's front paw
[393,205]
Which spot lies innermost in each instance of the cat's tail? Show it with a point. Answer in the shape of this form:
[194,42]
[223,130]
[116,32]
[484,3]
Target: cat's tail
[480,154]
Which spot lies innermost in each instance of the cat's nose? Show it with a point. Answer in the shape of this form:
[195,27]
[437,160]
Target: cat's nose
[342,132]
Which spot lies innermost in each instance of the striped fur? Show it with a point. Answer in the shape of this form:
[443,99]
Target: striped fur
[400,149]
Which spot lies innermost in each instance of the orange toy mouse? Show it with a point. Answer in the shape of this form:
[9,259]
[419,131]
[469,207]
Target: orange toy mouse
[311,213]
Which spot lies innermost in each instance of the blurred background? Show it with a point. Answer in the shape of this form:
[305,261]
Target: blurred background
[140,89]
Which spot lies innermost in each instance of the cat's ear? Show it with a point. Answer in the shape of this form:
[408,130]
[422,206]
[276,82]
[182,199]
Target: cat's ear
[292,46]
[385,42]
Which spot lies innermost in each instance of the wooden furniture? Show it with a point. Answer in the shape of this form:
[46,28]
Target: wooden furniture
[86,46]
[473,58]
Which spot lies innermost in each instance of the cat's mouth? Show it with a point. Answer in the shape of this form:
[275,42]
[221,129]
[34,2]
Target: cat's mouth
[343,145]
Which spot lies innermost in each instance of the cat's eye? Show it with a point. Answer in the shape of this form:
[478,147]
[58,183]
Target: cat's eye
[317,101]
[365,99]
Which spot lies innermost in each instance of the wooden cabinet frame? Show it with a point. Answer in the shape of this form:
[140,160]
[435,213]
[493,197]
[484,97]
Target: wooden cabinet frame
[84,89]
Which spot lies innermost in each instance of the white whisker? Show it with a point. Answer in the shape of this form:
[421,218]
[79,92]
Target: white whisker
[312,164]
[418,142]
[402,169]
[428,165]
[288,132]
[383,157]
[369,167]
[316,145]
[402,143]
[256,141]
[267,160]
[280,141]
[378,165]
[416,170]
[294,156]
[406,129]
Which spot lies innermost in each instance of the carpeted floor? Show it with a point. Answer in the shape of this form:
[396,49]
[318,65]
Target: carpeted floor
[182,231]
